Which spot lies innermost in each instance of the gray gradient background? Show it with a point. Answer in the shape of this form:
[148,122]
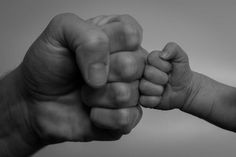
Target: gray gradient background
[206,29]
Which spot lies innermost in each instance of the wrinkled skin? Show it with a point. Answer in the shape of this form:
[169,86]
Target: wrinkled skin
[66,100]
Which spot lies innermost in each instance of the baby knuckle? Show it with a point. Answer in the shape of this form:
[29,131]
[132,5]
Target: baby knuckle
[173,45]
[154,57]
[151,58]
[148,72]
[59,20]
[165,78]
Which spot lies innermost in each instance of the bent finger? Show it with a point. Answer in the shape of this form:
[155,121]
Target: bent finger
[113,95]
[89,43]
[127,66]
[123,120]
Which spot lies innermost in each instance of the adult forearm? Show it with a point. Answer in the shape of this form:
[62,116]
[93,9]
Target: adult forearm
[212,101]
[16,138]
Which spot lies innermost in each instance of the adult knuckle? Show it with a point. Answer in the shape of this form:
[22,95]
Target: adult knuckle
[142,101]
[122,95]
[142,86]
[129,66]
[131,19]
[95,38]
[123,119]
[59,22]
[131,35]
[60,18]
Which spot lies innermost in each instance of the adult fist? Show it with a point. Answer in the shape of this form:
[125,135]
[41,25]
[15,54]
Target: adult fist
[69,64]
[126,68]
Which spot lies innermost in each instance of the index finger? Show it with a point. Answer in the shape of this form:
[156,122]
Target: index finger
[123,31]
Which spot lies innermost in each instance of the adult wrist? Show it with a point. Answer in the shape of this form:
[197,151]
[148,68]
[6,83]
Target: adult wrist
[17,137]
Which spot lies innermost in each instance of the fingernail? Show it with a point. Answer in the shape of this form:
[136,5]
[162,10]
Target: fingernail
[163,54]
[97,74]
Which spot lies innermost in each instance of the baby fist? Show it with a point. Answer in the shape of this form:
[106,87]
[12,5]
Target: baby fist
[168,71]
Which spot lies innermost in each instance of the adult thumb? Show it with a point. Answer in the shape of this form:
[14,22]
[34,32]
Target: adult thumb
[88,44]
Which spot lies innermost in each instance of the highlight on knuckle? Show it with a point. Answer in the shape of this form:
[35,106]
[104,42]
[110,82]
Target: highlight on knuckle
[129,18]
[122,95]
[123,120]
[143,85]
[142,101]
[129,66]
[132,37]
[59,19]
[95,39]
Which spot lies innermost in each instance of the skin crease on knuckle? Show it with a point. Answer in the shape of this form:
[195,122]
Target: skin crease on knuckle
[153,57]
[90,41]
[150,101]
[155,60]
[114,95]
[128,66]
[155,75]
[148,88]
[131,29]
[121,120]
[61,21]
[126,119]
[94,39]
[129,19]
[125,66]
[127,96]
[122,94]
[175,48]
[132,36]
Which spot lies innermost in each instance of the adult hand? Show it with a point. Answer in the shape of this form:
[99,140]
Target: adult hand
[79,80]
[71,51]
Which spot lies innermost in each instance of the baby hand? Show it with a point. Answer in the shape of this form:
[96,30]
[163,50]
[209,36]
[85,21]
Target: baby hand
[167,80]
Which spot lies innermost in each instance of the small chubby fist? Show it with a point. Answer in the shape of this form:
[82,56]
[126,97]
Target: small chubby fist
[155,78]
[167,79]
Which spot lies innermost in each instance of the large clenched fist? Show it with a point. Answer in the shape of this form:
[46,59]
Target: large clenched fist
[80,79]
